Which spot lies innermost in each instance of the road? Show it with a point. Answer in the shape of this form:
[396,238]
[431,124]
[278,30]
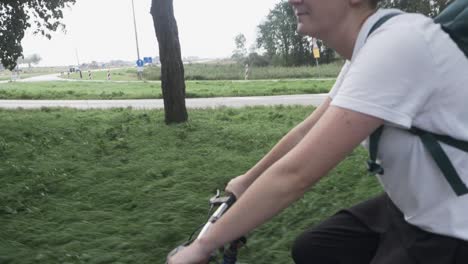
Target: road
[237,102]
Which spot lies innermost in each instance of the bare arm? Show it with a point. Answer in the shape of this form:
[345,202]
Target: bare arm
[288,142]
[335,135]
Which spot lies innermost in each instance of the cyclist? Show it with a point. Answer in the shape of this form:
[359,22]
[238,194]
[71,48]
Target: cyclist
[407,73]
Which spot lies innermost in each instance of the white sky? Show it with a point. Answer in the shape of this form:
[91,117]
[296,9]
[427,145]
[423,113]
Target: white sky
[102,30]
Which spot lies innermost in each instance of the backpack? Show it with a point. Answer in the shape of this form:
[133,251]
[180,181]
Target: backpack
[454,21]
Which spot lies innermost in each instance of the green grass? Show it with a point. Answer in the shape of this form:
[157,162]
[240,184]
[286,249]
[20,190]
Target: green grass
[236,72]
[119,186]
[208,71]
[220,71]
[146,90]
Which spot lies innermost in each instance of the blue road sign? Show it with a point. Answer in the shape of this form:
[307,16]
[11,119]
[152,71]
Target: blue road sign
[140,63]
[148,59]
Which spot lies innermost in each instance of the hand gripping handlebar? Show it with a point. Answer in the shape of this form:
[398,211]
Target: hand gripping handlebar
[229,253]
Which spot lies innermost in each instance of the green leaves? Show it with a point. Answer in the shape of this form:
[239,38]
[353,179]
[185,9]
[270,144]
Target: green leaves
[15,19]
[429,8]
[277,35]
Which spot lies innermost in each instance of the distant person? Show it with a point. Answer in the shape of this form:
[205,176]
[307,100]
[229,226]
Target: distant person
[247,72]
[407,75]
[14,76]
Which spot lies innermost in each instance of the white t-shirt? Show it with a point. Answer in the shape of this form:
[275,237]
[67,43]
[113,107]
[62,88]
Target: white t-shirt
[410,73]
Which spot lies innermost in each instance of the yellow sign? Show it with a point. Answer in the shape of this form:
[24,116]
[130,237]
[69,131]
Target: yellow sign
[316,53]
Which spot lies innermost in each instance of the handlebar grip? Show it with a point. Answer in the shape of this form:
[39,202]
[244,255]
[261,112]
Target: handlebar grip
[232,199]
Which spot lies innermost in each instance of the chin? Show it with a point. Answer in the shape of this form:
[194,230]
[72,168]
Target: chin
[303,30]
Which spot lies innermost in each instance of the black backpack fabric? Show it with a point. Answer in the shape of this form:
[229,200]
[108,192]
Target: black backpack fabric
[454,21]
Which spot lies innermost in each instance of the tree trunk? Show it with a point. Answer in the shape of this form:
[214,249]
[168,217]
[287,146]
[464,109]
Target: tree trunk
[172,68]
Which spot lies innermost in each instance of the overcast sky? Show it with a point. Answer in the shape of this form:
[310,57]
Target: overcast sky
[102,30]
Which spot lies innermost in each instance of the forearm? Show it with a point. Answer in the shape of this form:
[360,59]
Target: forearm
[265,198]
[334,137]
[287,143]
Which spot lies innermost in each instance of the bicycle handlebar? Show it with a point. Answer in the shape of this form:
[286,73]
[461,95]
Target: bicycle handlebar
[225,205]
[230,254]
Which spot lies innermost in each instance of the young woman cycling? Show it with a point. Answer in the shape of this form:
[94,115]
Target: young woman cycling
[407,73]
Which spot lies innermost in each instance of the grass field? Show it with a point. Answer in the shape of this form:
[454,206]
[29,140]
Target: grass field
[237,72]
[219,71]
[127,74]
[208,71]
[146,90]
[121,187]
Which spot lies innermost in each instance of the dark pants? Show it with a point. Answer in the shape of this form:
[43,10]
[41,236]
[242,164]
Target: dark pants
[375,232]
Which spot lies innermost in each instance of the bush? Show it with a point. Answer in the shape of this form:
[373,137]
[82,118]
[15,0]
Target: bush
[257,60]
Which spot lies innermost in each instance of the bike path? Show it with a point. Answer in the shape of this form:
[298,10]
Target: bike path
[192,103]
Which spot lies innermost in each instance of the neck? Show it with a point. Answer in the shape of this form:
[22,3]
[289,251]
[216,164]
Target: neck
[344,37]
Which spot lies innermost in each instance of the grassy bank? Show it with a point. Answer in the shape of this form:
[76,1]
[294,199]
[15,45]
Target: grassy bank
[219,71]
[126,74]
[237,72]
[147,90]
[121,187]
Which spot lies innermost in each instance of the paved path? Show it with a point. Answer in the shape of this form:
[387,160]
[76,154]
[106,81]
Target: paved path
[237,102]
[42,78]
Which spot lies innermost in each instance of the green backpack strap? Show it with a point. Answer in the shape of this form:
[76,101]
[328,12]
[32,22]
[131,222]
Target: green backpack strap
[372,166]
[454,21]
[381,21]
[431,143]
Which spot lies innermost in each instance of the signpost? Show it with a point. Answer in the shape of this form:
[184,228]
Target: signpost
[140,63]
[148,60]
[315,50]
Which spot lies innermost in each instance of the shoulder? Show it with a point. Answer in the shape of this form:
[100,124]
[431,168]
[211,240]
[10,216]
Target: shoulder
[406,21]
[404,42]
[403,30]
[412,30]
[414,39]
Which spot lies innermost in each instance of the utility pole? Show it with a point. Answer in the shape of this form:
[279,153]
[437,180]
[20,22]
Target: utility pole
[136,39]
[77,58]
[78,61]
